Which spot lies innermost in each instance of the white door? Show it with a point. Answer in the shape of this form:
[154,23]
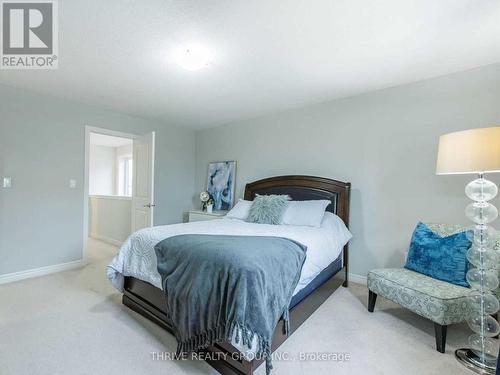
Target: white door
[143,182]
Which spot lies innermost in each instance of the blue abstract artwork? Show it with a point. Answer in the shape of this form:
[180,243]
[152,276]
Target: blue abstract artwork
[220,184]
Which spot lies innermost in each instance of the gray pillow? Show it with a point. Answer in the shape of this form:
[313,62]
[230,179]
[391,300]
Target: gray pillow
[268,209]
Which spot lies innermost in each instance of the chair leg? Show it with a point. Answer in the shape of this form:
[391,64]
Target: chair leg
[440,332]
[372,299]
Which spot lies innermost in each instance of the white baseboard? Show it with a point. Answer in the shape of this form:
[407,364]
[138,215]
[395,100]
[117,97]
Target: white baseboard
[109,240]
[358,279]
[42,271]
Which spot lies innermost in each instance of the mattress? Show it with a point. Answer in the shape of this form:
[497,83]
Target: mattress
[331,270]
[137,258]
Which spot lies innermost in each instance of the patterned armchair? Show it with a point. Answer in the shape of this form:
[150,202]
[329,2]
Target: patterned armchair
[436,300]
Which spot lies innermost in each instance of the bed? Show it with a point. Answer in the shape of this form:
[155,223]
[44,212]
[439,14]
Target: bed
[144,295]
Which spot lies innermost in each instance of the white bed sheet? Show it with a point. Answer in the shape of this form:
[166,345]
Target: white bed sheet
[137,258]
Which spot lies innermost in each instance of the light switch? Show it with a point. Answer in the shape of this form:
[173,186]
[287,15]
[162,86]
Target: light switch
[72,184]
[7,182]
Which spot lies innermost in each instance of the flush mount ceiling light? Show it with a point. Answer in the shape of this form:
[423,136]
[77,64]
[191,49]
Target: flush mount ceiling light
[192,57]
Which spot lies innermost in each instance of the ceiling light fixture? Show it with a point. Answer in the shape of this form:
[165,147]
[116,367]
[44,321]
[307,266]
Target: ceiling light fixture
[192,57]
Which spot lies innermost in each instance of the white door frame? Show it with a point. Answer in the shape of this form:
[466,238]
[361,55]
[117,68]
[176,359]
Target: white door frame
[88,130]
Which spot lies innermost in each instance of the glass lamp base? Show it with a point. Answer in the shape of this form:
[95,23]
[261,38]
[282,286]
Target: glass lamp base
[473,362]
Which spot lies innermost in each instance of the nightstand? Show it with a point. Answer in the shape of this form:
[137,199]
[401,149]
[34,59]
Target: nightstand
[199,215]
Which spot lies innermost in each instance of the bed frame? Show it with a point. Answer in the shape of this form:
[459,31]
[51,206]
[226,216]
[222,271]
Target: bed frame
[149,301]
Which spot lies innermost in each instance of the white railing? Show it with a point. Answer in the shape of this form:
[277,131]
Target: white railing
[110,218]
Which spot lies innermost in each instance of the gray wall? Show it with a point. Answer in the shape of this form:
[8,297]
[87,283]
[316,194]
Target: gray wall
[42,148]
[384,142]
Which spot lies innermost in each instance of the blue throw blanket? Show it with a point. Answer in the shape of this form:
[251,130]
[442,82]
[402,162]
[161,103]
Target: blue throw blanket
[220,286]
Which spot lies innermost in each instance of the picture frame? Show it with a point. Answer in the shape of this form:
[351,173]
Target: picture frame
[221,179]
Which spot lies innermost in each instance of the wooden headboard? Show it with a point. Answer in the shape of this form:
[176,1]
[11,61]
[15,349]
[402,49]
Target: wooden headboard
[301,188]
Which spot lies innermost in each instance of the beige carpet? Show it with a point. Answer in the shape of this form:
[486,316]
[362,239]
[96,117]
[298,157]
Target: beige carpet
[74,323]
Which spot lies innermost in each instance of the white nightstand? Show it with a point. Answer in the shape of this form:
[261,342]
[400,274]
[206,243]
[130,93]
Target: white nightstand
[199,215]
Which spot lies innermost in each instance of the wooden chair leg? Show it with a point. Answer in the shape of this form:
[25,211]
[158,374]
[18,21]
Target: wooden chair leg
[440,332]
[372,299]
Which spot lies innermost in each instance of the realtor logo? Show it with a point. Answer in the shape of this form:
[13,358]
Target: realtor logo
[29,34]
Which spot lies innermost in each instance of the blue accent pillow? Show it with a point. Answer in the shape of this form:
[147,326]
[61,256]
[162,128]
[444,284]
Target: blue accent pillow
[442,258]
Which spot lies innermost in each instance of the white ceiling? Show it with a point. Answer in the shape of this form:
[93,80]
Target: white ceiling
[108,140]
[268,55]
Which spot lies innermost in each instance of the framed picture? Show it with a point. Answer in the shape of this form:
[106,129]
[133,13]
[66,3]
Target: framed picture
[220,183]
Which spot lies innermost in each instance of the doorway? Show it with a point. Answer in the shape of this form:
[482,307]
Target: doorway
[119,183]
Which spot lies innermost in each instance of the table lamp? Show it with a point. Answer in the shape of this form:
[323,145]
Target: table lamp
[477,151]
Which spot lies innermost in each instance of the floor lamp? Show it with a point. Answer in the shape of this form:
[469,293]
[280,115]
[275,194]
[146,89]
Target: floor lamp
[477,151]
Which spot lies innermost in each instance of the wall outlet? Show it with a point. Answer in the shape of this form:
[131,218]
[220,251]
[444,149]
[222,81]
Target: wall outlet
[72,184]
[7,182]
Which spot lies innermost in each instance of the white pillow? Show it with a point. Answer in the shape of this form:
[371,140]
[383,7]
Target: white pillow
[308,213]
[240,210]
[335,224]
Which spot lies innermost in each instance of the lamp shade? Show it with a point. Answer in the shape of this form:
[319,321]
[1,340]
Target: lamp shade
[469,151]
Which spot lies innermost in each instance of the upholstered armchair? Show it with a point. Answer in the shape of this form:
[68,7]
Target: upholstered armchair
[439,301]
